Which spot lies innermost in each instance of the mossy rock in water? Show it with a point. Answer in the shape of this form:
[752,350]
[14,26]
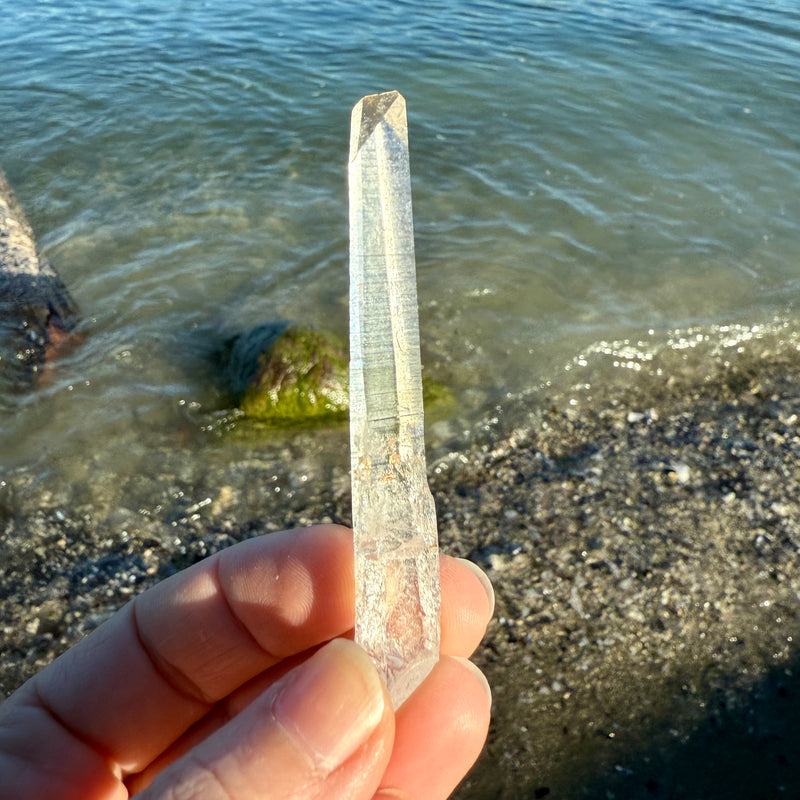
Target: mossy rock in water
[289,374]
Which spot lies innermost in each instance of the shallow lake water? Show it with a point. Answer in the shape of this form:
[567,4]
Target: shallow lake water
[586,176]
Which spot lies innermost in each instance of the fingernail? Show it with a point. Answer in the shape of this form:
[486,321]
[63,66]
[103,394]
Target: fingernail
[483,578]
[331,704]
[480,677]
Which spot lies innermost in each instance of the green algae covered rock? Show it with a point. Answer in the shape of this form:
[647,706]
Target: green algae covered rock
[290,374]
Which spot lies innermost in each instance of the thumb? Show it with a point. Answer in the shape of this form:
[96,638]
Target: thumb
[325,729]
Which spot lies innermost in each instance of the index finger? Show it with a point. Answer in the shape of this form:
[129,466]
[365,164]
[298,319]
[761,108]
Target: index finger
[154,669]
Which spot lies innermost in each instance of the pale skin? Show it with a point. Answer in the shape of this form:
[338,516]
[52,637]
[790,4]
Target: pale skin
[237,680]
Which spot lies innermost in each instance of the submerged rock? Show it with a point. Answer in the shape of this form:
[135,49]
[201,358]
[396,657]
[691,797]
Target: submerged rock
[37,313]
[289,374]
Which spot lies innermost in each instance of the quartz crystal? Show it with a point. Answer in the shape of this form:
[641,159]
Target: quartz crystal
[394,519]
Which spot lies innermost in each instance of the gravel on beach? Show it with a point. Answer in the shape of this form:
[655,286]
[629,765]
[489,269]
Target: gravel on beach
[642,538]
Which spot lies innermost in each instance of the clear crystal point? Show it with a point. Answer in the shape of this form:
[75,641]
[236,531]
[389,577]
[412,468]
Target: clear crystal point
[394,519]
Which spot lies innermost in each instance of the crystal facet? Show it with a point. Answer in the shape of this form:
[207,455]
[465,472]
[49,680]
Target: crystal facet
[394,519]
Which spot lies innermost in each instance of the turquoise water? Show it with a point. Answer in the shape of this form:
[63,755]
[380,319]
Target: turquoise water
[583,172]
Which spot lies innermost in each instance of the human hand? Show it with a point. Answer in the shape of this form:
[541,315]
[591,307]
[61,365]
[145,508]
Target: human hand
[231,681]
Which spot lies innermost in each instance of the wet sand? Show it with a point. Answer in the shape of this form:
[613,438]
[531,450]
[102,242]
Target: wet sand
[642,539]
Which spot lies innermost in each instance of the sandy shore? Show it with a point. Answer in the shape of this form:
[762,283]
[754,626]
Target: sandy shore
[643,542]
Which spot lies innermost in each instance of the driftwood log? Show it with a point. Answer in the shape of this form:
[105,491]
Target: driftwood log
[37,314]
